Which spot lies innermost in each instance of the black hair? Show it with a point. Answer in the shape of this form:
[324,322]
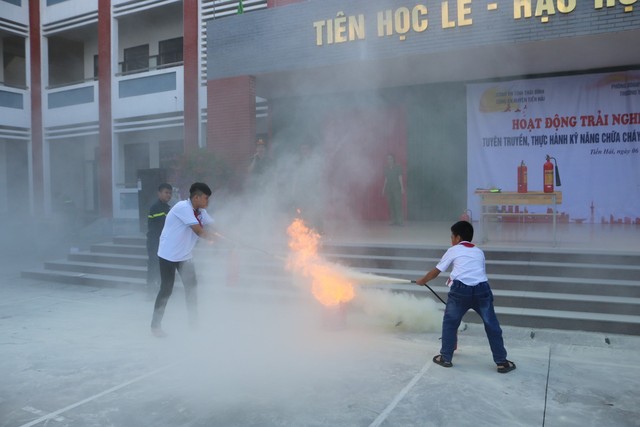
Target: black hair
[165,186]
[464,229]
[199,188]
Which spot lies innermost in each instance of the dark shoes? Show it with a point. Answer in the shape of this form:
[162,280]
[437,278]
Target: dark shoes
[439,360]
[506,366]
[503,368]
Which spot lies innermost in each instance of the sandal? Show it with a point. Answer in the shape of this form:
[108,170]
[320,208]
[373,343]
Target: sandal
[439,359]
[506,366]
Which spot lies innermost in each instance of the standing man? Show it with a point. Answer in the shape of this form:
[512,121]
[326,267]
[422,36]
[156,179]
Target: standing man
[258,167]
[155,222]
[185,224]
[393,189]
[259,160]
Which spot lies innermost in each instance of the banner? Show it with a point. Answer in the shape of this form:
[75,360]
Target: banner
[590,124]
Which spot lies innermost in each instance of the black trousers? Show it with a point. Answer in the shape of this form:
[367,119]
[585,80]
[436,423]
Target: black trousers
[153,268]
[187,273]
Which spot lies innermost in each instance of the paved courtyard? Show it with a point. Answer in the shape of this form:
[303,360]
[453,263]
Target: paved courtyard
[84,356]
[81,356]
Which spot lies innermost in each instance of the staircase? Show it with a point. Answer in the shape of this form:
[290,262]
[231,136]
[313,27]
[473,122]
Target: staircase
[596,292]
[121,264]
[559,290]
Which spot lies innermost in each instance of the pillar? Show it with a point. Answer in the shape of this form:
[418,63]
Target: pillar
[191,46]
[105,141]
[37,139]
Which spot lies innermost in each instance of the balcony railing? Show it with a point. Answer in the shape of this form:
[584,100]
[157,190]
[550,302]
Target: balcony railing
[72,104]
[12,85]
[156,92]
[69,97]
[9,99]
[73,83]
[15,107]
[125,69]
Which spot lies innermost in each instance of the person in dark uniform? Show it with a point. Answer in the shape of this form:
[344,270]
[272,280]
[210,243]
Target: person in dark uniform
[259,167]
[393,189]
[155,222]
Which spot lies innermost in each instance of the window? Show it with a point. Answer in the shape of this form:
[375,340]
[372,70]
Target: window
[136,59]
[95,67]
[13,57]
[66,61]
[136,156]
[170,51]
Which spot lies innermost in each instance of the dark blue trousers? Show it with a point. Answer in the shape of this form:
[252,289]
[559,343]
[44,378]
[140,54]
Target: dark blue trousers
[463,298]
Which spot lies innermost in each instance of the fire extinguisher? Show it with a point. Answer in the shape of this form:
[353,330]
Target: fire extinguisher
[522,178]
[548,170]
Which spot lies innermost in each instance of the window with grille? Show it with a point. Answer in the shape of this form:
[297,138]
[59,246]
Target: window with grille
[136,59]
[170,52]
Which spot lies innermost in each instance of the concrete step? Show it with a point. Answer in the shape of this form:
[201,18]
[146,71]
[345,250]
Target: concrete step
[571,291]
[98,268]
[409,253]
[563,285]
[567,320]
[558,269]
[567,285]
[430,252]
[534,318]
[75,278]
[522,268]
[131,240]
[109,258]
[568,302]
[604,304]
[111,248]
[362,260]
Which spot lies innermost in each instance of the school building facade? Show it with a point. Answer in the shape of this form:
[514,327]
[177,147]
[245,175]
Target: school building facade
[94,90]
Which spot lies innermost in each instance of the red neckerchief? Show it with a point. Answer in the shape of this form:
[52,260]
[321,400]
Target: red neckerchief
[195,213]
[466,244]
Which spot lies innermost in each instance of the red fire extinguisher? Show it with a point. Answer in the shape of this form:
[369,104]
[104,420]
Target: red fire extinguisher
[522,178]
[548,170]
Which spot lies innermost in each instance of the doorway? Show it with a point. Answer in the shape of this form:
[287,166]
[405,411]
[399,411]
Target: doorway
[356,144]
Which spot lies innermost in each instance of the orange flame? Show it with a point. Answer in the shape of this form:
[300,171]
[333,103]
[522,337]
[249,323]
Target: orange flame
[328,285]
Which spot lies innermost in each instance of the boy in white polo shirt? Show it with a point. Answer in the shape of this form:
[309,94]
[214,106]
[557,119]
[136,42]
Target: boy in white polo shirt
[468,289]
[185,224]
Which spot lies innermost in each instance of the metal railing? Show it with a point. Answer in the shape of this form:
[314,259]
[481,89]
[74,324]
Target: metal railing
[72,83]
[152,64]
[13,85]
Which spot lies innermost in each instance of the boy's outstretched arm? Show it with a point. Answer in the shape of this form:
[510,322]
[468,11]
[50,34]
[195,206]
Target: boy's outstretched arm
[206,233]
[428,277]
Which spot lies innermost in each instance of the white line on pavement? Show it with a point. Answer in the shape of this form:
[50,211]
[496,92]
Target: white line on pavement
[96,396]
[391,406]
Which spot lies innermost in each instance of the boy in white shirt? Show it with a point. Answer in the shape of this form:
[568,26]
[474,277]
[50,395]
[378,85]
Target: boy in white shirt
[185,224]
[468,289]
